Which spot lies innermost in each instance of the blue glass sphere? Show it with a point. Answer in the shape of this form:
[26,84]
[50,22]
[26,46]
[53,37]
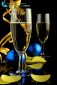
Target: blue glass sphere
[35,49]
[10,55]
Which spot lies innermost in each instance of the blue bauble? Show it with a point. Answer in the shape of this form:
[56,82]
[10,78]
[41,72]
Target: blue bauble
[37,49]
[10,55]
[30,48]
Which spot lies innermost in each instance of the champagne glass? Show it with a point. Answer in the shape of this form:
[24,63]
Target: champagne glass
[21,28]
[43,28]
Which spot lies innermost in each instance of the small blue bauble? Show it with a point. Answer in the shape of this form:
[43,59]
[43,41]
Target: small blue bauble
[37,49]
[30,48]
[10,55]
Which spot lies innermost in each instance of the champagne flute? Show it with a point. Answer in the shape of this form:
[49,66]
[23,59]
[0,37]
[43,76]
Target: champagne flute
[43,28]
[21,28]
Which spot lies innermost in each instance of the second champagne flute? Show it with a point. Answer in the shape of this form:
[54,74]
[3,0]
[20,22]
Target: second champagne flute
[43,28]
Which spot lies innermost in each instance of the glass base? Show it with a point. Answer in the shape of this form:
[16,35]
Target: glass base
[22,73]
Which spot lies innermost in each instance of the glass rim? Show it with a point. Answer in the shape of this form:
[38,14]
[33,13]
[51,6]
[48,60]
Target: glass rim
[43,13]
[43,17]
[20,22]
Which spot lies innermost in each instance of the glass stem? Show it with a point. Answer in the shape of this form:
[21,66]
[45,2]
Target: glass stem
[42,49]
[21,63]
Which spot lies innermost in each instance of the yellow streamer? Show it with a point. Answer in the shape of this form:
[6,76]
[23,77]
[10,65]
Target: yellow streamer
[40,78]
[3,82]
[4,50]
[36,66]
[11,78]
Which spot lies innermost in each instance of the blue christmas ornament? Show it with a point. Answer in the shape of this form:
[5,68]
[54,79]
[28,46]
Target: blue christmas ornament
[10,55]
[37,49]
[30,48]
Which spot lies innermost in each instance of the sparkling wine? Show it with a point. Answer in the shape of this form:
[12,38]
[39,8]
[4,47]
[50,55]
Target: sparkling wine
[21,33]
[42,31]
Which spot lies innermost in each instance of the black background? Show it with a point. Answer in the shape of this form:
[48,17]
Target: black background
[40,6]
